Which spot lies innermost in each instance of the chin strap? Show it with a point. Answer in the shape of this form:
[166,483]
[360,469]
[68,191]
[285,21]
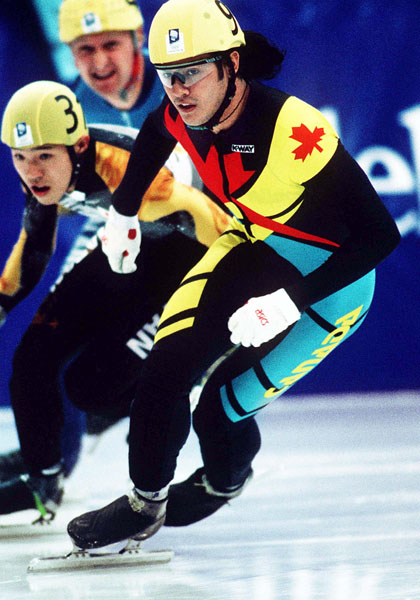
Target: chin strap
[236,107]
[215,119]
[135,71]
[76,161]
[230,93]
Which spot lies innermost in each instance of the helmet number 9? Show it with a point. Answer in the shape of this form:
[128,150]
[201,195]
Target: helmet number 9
[224,9]
[69,111]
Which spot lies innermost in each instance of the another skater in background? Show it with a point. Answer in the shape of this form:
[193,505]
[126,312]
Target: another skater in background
[95,328]
[117,83]
[117,86]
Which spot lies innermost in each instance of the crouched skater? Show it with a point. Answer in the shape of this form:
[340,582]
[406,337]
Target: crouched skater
[80,335]
[287,282]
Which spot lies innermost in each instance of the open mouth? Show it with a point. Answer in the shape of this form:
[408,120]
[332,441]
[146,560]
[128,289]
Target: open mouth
[184,107]
[105,77]
[40,190]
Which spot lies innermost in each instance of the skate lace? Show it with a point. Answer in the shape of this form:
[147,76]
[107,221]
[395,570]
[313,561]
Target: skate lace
[135,502]
[205,483]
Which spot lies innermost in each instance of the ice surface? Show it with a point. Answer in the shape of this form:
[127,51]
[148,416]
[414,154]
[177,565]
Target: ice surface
[333,513]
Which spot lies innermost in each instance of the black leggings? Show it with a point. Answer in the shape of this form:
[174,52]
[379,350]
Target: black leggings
[78,339]
[227,448]
[160,413]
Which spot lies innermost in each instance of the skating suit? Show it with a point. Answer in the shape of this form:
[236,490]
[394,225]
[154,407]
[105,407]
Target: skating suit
[95,327]
[169,205]
[306,219]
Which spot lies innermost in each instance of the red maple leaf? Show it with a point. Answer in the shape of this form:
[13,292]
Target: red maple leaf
[308,140]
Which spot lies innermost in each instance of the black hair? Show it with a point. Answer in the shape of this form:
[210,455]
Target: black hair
[259,58]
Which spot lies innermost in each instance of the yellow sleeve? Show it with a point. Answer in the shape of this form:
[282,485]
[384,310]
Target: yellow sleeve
[110,164]
[166,196]
[10,278]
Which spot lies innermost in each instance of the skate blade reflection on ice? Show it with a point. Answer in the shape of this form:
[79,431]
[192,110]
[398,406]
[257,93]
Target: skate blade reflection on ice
[31,530]
[111,556]
[30,524]
[22,526]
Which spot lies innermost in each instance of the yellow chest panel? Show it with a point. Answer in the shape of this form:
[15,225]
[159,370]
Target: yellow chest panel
[303,142]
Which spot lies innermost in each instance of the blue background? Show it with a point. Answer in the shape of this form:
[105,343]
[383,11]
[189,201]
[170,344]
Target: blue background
[358,62]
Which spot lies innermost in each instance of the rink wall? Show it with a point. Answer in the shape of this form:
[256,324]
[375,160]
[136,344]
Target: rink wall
[359,63]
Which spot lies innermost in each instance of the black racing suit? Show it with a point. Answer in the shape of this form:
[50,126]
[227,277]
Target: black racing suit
[97,324]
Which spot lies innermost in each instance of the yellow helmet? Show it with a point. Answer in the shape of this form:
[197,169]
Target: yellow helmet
[43,112]
[184,29]
[81,17]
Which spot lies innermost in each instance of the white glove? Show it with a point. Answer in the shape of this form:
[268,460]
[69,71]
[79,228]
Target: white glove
[3,315]
[120,239]
[262,318]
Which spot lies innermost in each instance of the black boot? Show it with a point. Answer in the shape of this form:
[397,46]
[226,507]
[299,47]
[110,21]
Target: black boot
[12,465]
[130,516]
[195,499]
[42,492]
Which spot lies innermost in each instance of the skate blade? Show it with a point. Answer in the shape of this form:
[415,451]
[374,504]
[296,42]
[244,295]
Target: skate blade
[35,528]
[83,559]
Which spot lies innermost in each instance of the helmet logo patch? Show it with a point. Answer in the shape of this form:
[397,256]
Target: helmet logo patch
[91,23]
[23,135]
[175,42]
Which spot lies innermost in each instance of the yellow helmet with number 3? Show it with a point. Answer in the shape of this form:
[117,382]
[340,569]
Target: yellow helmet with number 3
[43,112]
[82,17]
[184,29]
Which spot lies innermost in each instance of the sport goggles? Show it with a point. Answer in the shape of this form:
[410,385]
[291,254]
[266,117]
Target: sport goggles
[187,75]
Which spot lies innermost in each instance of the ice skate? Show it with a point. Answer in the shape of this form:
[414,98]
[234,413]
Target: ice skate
[12,465]
[42,493]
[130,516]
[111,536]
[195,499]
